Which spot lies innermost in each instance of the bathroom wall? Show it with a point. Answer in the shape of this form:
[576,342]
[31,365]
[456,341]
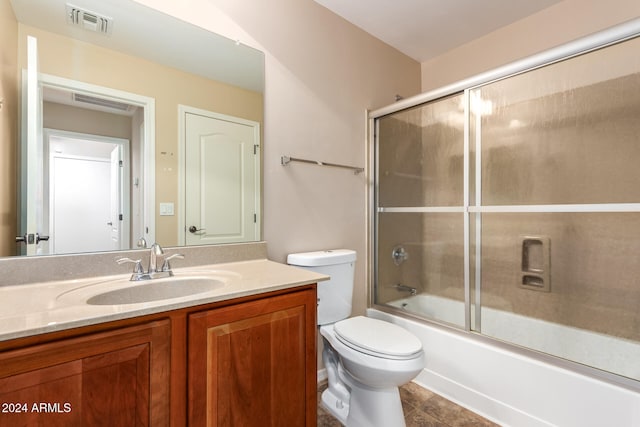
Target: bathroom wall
[82,120]
[558,24]
[8,125]
[322,73]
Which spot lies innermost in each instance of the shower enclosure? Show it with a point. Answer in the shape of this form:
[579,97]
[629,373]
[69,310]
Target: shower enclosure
[508,205]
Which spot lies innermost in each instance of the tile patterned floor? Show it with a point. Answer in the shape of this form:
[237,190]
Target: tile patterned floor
[422,408]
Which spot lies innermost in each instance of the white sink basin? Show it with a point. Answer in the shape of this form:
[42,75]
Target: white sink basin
[123,291]
[157,289]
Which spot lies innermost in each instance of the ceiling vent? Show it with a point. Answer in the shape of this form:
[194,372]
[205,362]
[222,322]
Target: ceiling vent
[101,102]
[90,21]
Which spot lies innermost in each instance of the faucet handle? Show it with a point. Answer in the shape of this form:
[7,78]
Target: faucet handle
[166,266]
[137,268]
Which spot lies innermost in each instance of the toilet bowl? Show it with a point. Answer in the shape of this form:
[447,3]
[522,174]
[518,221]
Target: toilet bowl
[366,359]
[372,369]
[392,356]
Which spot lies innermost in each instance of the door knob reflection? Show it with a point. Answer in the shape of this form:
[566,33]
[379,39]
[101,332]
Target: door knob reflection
[193,229]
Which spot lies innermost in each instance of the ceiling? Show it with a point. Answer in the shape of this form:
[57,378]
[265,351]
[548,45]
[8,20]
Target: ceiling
[147,33]
[424,29]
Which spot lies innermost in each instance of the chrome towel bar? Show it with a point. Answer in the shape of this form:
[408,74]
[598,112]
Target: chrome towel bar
[285,160]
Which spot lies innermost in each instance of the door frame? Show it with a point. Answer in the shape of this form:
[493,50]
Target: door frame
[148,137]
[183,110]
[125,231]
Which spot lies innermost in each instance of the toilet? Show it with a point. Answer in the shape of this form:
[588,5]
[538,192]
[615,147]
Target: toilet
[366,359]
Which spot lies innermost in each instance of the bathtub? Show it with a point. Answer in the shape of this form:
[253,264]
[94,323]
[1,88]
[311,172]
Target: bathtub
[514,388]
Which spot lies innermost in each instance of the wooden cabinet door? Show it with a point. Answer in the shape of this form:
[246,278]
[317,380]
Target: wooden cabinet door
[116,378]
[254,364]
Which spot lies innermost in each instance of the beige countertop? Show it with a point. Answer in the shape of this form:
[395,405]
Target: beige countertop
[38,308]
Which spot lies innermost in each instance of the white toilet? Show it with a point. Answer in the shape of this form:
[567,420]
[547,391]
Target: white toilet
[366,359]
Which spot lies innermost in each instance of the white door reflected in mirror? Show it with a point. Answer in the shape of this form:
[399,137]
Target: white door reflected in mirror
[88,207]
[222,188]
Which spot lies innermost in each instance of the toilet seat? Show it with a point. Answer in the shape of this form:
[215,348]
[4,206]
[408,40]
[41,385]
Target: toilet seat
[377,338]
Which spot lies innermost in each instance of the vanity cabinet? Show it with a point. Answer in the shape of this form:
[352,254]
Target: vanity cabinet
[114,378]
[254,364]
[249,361]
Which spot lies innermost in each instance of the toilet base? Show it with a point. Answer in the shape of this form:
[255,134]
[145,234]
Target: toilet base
[367,407]
[336,406]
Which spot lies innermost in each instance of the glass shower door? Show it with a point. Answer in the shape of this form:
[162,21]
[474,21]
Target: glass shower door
[420,215]
[558,209]
[519,199]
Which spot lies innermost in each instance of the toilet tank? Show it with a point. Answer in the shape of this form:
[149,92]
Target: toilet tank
[334,295]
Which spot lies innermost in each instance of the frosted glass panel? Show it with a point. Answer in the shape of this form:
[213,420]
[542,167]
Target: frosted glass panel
[432,265]
[560,279]
[566,133]
[588,311]
[420,155]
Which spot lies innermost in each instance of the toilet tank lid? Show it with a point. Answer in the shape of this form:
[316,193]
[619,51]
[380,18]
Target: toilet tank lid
[318,258]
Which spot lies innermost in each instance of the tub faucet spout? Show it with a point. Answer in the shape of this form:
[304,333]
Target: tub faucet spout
[404,288]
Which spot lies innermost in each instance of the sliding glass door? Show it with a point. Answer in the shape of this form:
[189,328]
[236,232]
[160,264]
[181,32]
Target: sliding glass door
[511,208]
[421,199]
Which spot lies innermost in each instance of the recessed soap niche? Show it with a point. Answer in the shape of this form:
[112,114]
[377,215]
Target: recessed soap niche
[535,266]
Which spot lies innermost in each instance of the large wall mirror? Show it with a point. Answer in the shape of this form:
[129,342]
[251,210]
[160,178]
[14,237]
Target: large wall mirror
[131,127]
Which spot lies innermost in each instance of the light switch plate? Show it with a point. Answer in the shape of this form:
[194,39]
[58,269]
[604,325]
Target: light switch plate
[166,209]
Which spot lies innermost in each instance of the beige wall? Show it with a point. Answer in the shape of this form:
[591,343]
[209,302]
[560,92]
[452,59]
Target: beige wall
[81,120]
[60,56]
[8,127]
[556,25]
[322,73]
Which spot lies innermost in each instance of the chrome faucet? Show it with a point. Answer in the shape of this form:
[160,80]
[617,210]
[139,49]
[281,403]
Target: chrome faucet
[155,254]
[404,288]
[156,251]
[164,271]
